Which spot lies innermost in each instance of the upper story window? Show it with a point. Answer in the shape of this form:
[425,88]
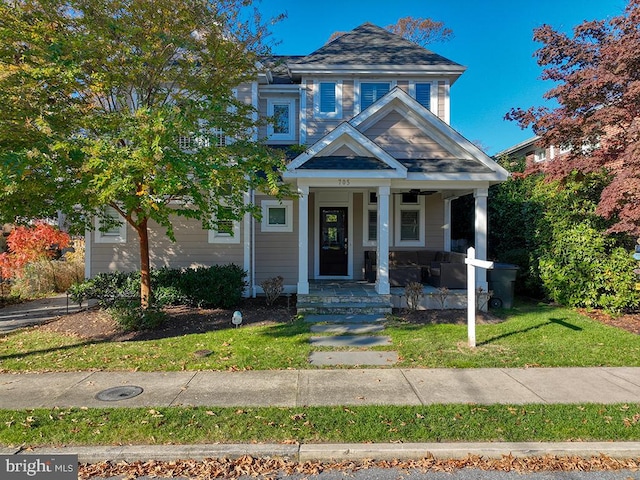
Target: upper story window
[282,113]
[327,100]
[540,155]
[370,92]
[422,93]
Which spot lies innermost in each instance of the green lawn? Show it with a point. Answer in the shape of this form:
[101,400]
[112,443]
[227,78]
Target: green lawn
[530,335]
[432,423]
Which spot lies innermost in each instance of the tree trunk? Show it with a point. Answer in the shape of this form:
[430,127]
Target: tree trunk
[145,270]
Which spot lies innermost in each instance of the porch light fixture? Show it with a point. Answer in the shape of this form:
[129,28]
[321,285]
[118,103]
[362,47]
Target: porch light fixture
[236,319]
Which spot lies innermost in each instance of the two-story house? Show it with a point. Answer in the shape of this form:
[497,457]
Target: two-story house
[378,169]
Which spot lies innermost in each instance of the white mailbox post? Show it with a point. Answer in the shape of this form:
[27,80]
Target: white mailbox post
[472,263]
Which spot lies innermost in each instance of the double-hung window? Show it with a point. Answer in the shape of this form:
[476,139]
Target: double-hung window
[282,113]
[410,220]
[371,92]
[370,219]
[327,100]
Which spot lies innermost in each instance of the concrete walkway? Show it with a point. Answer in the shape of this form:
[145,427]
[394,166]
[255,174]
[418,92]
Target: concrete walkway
[34,312]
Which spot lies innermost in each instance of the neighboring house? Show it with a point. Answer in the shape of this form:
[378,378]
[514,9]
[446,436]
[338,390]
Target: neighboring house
[533,152]
[379,172]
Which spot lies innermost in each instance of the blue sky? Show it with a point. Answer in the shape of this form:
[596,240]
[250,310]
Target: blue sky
[492,38]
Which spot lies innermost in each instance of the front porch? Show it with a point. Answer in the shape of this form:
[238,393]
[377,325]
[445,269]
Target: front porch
[361,298]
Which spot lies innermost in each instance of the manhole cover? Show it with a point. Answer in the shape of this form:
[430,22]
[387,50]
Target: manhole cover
[118,393]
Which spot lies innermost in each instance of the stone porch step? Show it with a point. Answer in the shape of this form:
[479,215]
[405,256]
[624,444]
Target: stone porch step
[347,328]
[338,319]
[344,308]
[344,298]
[353,358]
[355,341]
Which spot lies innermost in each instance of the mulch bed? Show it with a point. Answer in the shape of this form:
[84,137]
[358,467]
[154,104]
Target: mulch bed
[97,325]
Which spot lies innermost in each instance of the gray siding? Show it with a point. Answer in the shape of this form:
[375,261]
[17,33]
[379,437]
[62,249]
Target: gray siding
[277,252]
[434,219]
[191,249]
[401,139]
[358,249]
[319,127]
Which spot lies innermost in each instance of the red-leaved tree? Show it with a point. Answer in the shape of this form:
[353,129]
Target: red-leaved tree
[597,87]
[29,244]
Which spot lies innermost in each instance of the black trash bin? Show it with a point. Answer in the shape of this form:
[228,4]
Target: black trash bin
[502,279]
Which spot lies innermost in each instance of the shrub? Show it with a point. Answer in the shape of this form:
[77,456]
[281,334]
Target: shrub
[217,286]
[44,276]
[130,316]
[31,244]
[583,269]
[273,288]
[441,294]
[414,292]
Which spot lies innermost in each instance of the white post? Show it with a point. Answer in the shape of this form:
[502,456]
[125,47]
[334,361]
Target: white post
[471,298]
[481,195]
[303,240]
[472,263]
[382,254]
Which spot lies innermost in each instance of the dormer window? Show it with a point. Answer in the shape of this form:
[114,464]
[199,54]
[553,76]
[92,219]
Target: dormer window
[327,100]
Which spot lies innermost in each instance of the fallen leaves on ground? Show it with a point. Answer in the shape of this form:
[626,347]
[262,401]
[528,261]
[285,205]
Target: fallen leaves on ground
[257,467]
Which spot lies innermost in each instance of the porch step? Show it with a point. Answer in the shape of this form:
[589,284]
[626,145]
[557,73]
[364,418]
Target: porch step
[344,319]
[353,358]
[344,298]
[344,308]
[346,328]
[354,341]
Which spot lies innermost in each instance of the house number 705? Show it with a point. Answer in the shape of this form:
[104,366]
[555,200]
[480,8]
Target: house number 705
[343,182]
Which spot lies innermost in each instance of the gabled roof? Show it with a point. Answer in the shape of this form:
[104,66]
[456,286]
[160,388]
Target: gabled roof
[464,160]
[368,156]
[369,47]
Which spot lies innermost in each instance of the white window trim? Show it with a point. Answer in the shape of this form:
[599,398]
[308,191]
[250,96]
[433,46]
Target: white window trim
[214,236]
[356,90]
[288,205]
[433,103]
[366,208]
[106,237]
[337,114]
[291,102]
[419,207]
[540,155]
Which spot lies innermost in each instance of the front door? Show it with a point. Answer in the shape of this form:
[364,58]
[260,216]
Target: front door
[334,252]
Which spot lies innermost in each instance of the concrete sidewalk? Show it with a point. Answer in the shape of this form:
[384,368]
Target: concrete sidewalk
[290,388]
[296,388]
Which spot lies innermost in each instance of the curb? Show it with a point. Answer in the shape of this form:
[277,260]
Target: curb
[339,452]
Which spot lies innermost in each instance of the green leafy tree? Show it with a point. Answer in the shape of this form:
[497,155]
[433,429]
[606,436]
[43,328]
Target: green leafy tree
[130,104]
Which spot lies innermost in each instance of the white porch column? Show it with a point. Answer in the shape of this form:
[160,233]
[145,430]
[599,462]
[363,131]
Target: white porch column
[481,228]
[382,253]
[447,224]
[303,239]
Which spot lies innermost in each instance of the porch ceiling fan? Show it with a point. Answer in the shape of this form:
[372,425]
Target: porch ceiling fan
[416,191]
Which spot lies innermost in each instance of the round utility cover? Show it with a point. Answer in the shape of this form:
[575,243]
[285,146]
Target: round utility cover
[119,393]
